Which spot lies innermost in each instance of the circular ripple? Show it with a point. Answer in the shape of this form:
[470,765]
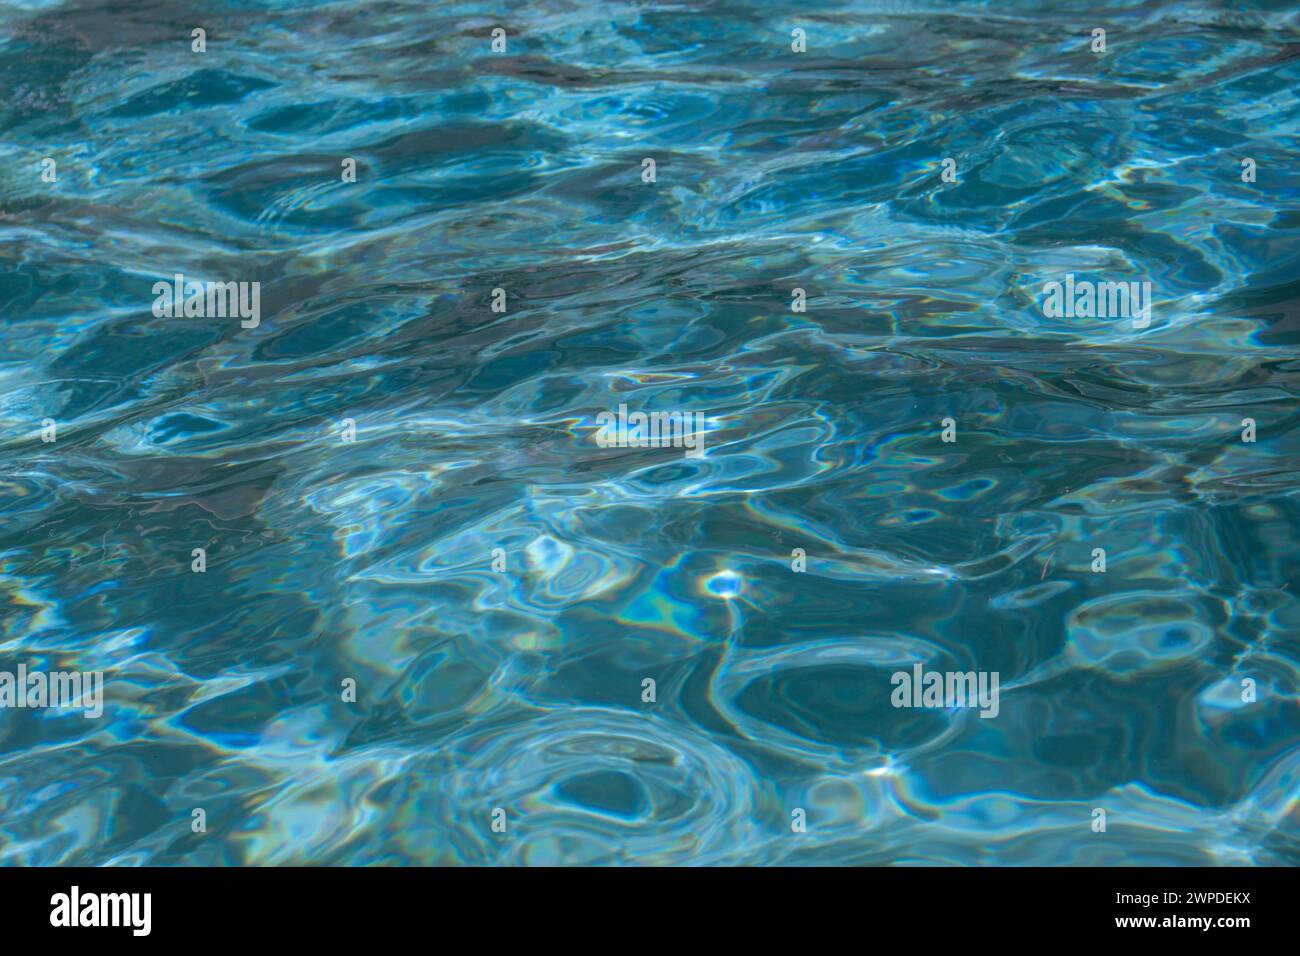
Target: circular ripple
[594,785]
[1137,631]
[828,703]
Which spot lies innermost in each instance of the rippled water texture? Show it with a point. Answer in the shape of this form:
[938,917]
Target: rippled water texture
[523,689]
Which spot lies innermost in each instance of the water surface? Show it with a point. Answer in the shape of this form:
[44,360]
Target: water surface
[372,560]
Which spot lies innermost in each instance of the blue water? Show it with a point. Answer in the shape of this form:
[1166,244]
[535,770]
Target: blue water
[771,737]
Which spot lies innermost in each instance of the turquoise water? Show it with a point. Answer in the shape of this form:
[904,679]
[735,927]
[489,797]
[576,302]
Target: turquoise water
[772,737]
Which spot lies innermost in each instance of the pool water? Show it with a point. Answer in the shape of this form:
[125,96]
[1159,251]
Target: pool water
[370,580]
